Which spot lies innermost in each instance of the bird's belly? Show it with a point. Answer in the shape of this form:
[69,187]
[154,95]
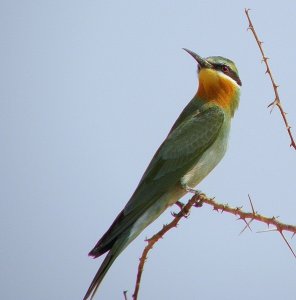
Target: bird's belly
[207,162]
[202,168]
[153,212]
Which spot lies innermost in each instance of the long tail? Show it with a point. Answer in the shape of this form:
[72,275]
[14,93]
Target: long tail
[116,249]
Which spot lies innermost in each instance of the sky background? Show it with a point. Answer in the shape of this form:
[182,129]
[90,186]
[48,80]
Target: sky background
[89,90]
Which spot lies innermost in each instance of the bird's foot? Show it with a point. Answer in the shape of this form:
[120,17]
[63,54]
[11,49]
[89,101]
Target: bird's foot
[196,193]
[181,206]
[198,203]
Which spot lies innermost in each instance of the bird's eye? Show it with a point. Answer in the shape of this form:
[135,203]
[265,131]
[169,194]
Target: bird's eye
[225,69]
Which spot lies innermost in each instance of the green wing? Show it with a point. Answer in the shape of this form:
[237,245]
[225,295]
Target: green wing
[178,154]
[175,157]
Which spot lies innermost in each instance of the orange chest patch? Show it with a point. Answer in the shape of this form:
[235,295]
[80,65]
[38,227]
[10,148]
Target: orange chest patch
[216,87]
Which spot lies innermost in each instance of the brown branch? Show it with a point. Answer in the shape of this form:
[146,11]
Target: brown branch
[237,211]
[198,201]
[277,101]
[177,217]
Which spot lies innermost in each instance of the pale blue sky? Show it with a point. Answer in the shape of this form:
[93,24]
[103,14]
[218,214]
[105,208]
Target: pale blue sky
[89,89]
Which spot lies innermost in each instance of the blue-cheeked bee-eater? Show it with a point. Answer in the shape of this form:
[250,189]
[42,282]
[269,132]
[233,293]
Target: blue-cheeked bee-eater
[194,146]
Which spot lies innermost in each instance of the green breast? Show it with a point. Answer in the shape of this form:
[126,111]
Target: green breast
[209,160]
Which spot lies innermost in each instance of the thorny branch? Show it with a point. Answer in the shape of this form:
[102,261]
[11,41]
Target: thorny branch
[277,101]
[183,213]
[198,201]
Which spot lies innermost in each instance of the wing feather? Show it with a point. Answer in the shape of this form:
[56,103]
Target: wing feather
[175,157]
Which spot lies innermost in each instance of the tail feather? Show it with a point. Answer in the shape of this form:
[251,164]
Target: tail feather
[106,243]
[117,248]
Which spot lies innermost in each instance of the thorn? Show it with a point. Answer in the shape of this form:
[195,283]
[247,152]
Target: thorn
[247,225]
[267,230]
[238,208]
[253,210]
[125,295]
[281,233]
[270,104]
[273,104]
[224,207]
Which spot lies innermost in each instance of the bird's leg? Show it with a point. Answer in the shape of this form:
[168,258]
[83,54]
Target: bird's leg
[191,190]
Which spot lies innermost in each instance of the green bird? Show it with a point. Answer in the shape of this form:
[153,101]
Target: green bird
[194,146]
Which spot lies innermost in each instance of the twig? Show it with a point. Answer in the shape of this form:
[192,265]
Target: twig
[177,217]
[276,101]
[237,211]
[198,201]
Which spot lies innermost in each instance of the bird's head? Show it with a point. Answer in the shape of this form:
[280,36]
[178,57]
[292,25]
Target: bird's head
[219,81]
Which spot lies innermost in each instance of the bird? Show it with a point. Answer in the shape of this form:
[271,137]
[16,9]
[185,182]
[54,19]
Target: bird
[193,147]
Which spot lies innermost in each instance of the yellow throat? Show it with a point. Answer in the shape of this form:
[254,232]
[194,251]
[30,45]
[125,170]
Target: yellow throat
[216,87]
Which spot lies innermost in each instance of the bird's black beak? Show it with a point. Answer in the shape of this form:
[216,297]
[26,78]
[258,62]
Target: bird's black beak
[201,61]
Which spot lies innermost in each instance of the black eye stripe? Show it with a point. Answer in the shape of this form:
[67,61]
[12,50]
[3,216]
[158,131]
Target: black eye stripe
[229,72]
